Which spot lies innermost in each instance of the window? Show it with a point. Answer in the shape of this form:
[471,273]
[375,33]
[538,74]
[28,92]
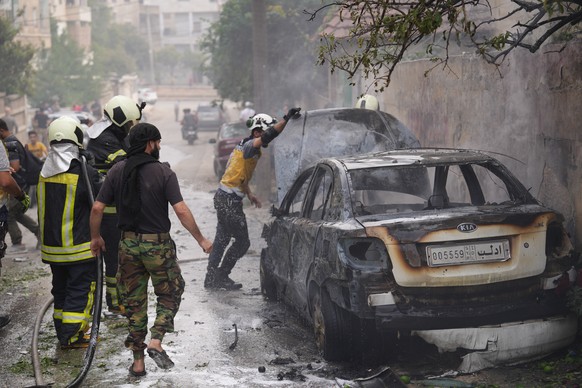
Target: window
[319,195]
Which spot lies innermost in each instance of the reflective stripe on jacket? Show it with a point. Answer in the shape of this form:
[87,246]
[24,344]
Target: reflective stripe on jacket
[63,214]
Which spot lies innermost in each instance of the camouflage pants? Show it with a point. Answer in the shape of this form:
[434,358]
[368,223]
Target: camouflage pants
[140,260]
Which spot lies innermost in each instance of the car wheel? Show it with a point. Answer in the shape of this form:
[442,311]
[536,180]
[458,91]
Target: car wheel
[332,328]
[268,285]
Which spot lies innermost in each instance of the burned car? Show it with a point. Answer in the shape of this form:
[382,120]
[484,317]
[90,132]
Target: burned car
[417,240]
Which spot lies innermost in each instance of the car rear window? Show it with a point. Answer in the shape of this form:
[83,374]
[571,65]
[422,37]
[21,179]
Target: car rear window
[412,188]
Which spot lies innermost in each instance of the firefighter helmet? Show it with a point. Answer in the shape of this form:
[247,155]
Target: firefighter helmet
[260,121]
[368,102]
[121,110]
[66,129]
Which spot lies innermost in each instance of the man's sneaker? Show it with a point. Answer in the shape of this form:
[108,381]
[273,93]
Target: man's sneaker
[16,248]
[4,320]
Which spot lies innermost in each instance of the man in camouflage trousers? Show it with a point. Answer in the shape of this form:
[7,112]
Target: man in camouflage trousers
[141,188]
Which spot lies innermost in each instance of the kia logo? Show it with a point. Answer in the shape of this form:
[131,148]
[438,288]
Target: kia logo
[466,227]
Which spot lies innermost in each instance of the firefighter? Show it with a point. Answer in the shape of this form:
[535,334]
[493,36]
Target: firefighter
[108,145]
[234,186]
[64,207]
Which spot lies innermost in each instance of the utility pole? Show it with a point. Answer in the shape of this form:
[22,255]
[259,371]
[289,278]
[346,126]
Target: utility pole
[150,47]
[259,53]
[264,170]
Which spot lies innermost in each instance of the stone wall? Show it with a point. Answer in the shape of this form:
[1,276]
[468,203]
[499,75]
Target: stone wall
[529,111]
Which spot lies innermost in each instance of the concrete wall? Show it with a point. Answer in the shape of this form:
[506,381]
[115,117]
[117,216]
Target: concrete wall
[530,109]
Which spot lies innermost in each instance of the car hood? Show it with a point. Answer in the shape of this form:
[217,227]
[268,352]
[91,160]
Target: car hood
[334,132]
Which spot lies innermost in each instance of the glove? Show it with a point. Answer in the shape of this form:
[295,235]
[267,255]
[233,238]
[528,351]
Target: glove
[24,200]
[292,112]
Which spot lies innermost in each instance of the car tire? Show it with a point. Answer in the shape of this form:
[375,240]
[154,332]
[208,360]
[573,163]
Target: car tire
[268,285]
[332,327]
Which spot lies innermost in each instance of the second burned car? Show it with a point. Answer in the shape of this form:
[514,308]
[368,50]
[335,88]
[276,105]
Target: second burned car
[415,240]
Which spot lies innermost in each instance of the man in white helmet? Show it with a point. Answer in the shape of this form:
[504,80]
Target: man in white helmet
[64,207]
[234,186]
[108,145]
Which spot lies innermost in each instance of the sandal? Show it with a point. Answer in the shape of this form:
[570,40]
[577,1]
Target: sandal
[136,374]
[161,358]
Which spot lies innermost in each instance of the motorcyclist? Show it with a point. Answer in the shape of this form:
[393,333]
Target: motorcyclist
[189,121]
[108,144]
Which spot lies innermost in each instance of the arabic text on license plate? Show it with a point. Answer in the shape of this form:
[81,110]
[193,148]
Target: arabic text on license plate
[467,253]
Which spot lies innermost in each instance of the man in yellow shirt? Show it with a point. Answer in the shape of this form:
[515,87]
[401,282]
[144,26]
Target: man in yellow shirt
[234,186]
[36,147]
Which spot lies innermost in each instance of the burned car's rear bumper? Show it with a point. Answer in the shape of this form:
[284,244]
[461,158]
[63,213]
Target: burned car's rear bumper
[393,316]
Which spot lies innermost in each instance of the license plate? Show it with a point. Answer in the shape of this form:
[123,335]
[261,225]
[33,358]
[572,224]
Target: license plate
[455,254]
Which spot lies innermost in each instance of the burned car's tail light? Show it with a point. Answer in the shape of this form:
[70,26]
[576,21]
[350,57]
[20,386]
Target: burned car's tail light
[559,273]
[364,253]
[558,243]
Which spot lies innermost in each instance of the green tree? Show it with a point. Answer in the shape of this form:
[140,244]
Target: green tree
[64,74]
[229,47]
[193,62]
[117,48]
[290,73]
[379,34]
[15,61]
[168,59]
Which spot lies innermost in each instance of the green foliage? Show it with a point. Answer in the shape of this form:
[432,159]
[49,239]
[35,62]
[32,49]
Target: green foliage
[118,48]
[382,33]
[230,49]
[64,75]
[168,58]
[15,61]
[290,52]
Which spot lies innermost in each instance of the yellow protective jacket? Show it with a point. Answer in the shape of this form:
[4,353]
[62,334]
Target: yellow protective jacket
[241,165]
[64,207]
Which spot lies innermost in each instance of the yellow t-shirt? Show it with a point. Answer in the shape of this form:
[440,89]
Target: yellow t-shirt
[39,150]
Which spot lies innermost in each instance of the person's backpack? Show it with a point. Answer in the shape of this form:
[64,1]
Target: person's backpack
[30,165]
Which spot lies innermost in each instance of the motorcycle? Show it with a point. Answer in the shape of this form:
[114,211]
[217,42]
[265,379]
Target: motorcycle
[189,133]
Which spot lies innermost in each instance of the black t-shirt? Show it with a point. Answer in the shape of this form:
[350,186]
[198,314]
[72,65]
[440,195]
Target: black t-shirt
[158,187]
[16,152]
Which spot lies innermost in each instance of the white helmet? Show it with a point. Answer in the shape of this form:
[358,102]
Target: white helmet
[248,104]
[367,102]
[66,129]
[260,121]
[121,110]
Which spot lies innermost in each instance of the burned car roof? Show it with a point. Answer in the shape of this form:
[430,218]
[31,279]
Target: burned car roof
[426,156]
[335,132]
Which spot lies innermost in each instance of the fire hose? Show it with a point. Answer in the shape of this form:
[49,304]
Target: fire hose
[90,352]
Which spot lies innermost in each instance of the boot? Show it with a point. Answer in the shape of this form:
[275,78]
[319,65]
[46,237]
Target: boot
[224,281]
[210,279]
